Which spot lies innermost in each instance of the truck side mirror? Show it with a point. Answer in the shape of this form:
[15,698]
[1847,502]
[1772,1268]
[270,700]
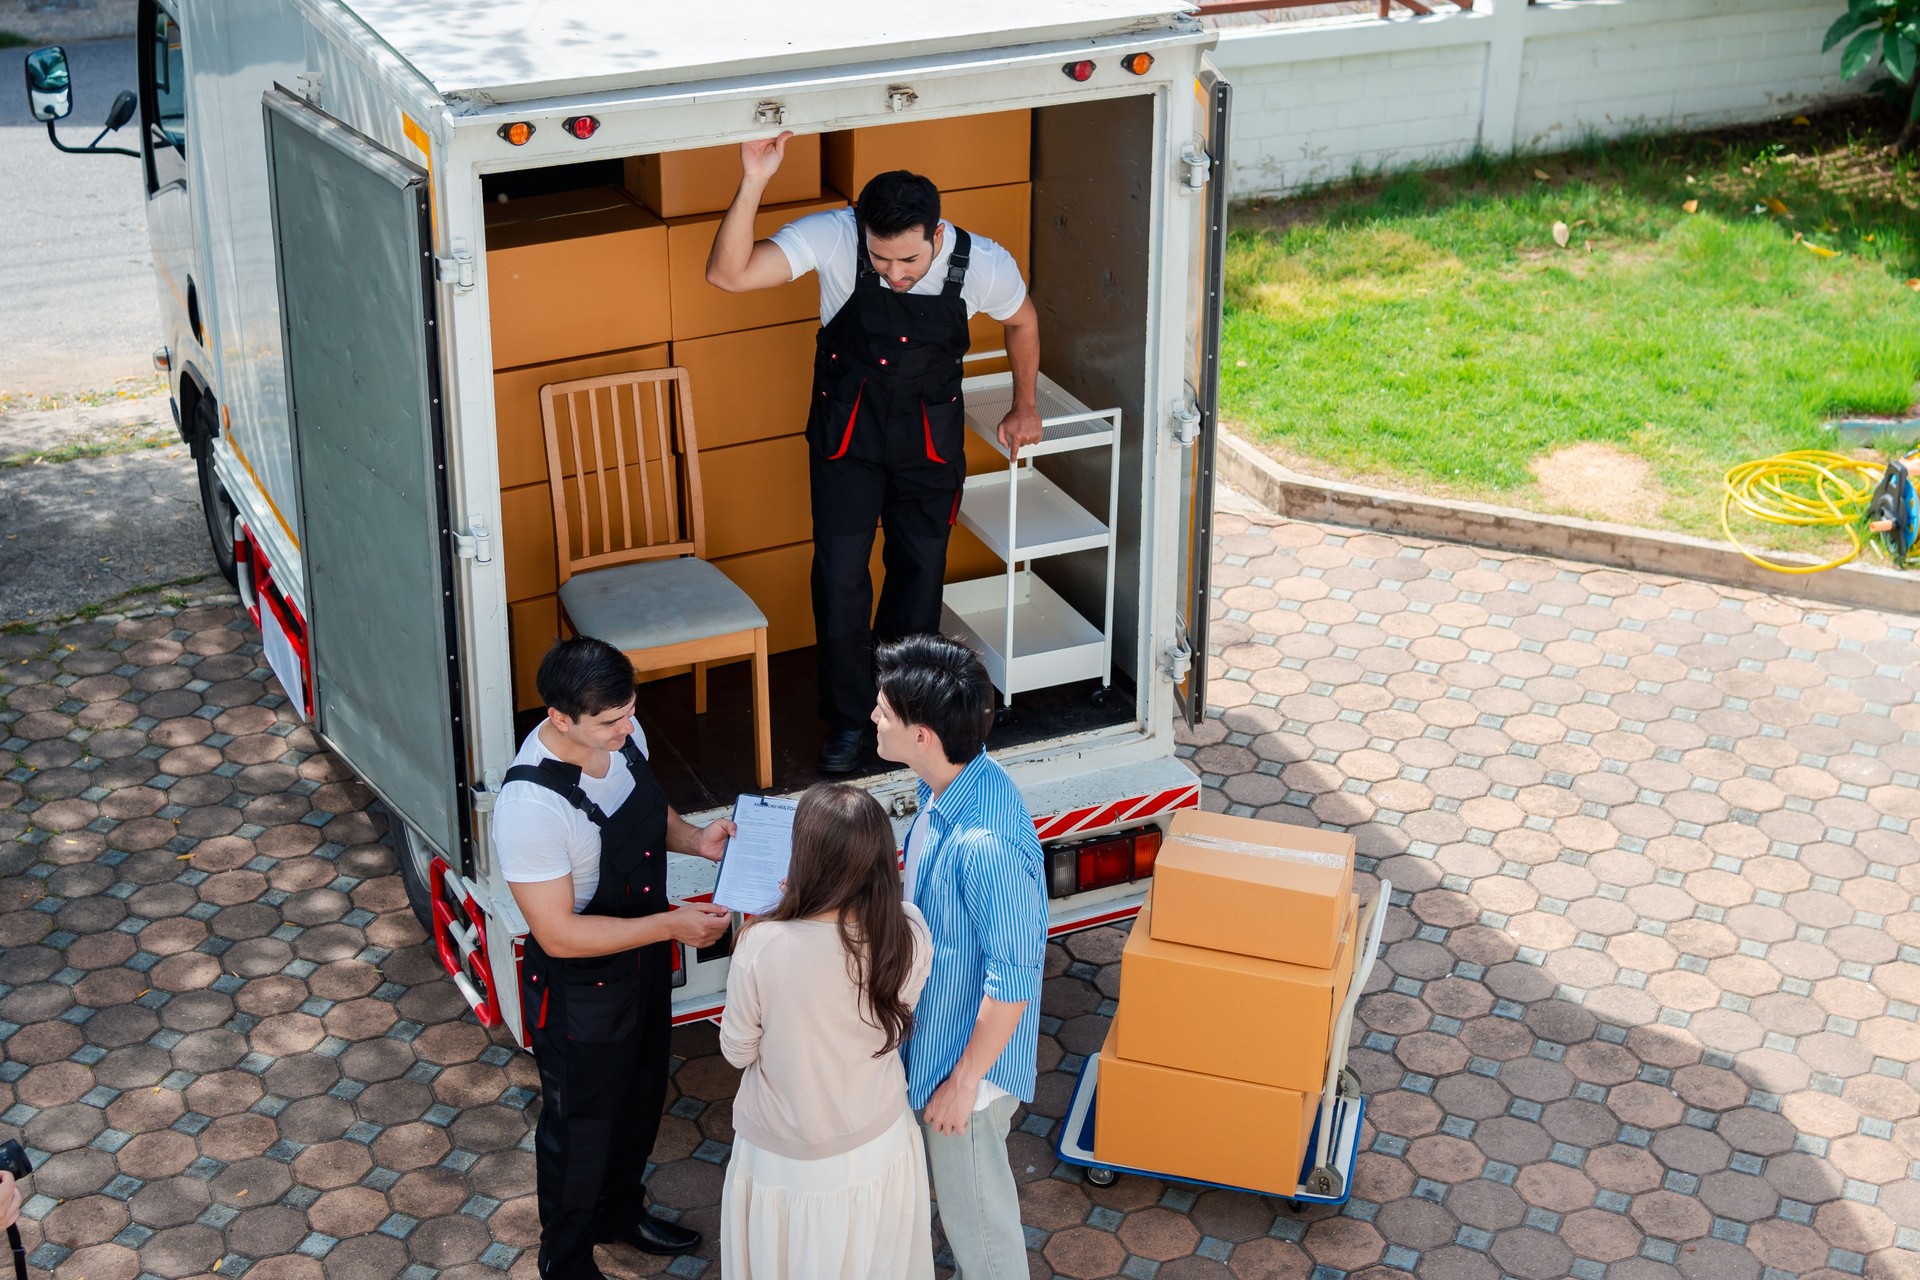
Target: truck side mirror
[122,110]
[49,85]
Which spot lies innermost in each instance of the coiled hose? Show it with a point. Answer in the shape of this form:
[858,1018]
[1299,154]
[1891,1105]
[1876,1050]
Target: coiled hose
[1805,488]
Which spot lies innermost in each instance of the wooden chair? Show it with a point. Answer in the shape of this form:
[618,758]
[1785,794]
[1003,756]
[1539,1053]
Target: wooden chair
[631,542]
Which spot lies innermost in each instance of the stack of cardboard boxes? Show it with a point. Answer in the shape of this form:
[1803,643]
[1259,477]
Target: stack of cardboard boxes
[612,279]
[1230,986]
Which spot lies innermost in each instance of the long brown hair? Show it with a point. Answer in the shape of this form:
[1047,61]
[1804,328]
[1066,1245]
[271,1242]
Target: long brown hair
[844,862]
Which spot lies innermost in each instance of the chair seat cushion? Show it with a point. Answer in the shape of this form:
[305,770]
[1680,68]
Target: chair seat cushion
[657,602]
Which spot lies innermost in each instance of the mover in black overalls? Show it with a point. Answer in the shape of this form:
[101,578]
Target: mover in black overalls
[885,439]
[582,832]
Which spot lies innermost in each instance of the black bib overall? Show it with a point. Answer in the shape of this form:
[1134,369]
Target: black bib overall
[600,1027]
[886,447]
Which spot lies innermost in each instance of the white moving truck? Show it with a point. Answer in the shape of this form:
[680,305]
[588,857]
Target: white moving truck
[326,181]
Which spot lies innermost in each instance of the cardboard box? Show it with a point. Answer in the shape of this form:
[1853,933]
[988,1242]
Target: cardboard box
[675,184]
[699,309]
[1256,888]
[756,496]
[749,386]
[575,274]
[532,627]
[1002,214]
[526,540]
[516,406]
[1230,1015]
[965,151]
[1198,1126]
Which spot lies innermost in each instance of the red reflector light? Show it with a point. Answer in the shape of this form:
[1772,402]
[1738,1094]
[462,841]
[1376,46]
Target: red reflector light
[1082,70]
[581,126]
[517,133]
[1137,63]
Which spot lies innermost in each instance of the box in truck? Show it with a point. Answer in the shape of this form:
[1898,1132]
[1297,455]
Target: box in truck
[379,232]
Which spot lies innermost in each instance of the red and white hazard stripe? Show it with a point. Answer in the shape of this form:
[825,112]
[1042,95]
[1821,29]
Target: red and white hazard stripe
[1132,809]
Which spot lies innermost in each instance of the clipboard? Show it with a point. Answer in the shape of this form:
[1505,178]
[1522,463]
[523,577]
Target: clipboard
[757,856]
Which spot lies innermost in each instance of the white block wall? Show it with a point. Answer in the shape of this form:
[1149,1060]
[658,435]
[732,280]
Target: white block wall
[1320,102]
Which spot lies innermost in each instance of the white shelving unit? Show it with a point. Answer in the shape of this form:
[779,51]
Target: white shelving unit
[1028,636]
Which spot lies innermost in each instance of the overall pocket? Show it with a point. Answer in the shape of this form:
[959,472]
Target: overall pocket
[835,412]
[602,1012]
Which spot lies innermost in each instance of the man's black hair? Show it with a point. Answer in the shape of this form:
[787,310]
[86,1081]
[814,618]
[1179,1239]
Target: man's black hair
[583,677]
[896,202]
[940,683]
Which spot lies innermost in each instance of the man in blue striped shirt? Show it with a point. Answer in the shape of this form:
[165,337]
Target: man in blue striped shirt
[975,870]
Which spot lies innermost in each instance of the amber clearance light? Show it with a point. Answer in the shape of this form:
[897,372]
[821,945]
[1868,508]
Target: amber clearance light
[1137,63]
[517,133]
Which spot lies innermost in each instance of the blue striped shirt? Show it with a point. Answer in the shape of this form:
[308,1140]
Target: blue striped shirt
[981,884]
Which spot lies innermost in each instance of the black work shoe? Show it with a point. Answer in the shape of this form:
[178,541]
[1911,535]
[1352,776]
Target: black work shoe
[653,1235]
[843,750]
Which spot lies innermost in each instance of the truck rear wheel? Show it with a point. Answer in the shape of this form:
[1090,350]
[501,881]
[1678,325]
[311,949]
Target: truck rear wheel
[214,502]
[415,856]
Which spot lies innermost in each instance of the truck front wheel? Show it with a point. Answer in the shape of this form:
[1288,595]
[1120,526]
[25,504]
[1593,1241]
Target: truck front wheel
[213,496]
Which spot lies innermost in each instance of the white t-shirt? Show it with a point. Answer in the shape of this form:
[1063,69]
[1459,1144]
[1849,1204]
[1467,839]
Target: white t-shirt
[829,243]
[538,836]
[916,842]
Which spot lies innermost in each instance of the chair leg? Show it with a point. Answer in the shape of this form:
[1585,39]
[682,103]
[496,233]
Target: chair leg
[762,718]
[699,688]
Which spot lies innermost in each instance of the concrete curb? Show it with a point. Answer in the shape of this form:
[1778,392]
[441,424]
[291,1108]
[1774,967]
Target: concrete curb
[1242,465]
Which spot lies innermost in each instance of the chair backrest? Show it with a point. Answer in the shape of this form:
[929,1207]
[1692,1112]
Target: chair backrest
[624,469]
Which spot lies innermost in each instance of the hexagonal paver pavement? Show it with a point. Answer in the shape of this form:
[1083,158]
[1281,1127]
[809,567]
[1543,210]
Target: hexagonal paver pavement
[1647,1006]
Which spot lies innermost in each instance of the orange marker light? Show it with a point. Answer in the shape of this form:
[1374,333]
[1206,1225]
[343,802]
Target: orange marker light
[1082,70]
[517,133]
[582,127]
[1137,63]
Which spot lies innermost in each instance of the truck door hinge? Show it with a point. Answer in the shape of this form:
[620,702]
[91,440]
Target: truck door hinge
[1197,166]
[1185,425]
[900,97]
[770,113]
[457,268]
[480,799]
[1177,660]
[476,544]
[311,84]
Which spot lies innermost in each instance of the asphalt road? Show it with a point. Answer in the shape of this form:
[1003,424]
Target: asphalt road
[80,309]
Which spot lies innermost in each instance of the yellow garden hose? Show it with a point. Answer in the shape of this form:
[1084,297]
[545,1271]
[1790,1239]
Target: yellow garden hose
[1807,488]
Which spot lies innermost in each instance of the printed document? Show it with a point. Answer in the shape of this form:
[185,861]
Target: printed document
[756,858]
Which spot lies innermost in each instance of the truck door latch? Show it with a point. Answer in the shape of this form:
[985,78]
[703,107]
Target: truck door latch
[456,269]
[1198,166]
[1178,659]
[476,545]
[770,113]
[899,97]
[1185,425]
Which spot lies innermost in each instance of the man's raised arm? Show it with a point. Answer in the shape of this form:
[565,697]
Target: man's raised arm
[739,263]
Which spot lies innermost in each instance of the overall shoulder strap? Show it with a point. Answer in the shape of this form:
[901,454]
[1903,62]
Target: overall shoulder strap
[957,263]
[561,779]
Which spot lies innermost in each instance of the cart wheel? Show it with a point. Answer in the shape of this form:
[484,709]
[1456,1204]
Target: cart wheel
[1101,1177]
[1294,1206]
[1102,696]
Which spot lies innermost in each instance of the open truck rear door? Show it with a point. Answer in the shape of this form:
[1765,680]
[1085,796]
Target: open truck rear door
[351,225]
[1205,163]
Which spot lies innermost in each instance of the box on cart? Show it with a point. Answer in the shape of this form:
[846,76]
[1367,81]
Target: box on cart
[1253,888]
[1241,1017]
[1205,1127]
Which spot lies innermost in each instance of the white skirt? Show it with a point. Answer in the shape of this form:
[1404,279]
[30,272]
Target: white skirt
[861,1214]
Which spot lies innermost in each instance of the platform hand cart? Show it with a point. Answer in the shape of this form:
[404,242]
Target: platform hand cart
[1326,1174]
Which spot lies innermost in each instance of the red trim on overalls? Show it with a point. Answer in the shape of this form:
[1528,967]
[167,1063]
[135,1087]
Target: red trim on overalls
[953,517]
[847,438]
[927,427]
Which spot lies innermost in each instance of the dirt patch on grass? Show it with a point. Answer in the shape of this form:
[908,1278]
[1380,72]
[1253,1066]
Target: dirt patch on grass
[1600,482]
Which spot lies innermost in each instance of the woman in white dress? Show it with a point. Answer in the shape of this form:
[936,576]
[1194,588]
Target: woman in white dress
[828,1179]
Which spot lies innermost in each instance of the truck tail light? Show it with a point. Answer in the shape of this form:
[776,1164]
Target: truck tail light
[1081,865]
[1081,70]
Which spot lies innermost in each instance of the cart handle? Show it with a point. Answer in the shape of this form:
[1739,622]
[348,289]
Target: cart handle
[1373,923]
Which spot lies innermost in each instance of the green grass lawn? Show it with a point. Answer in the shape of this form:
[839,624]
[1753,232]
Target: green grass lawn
[1426,332]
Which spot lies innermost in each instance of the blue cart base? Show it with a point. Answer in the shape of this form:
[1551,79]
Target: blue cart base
[1325,1178]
